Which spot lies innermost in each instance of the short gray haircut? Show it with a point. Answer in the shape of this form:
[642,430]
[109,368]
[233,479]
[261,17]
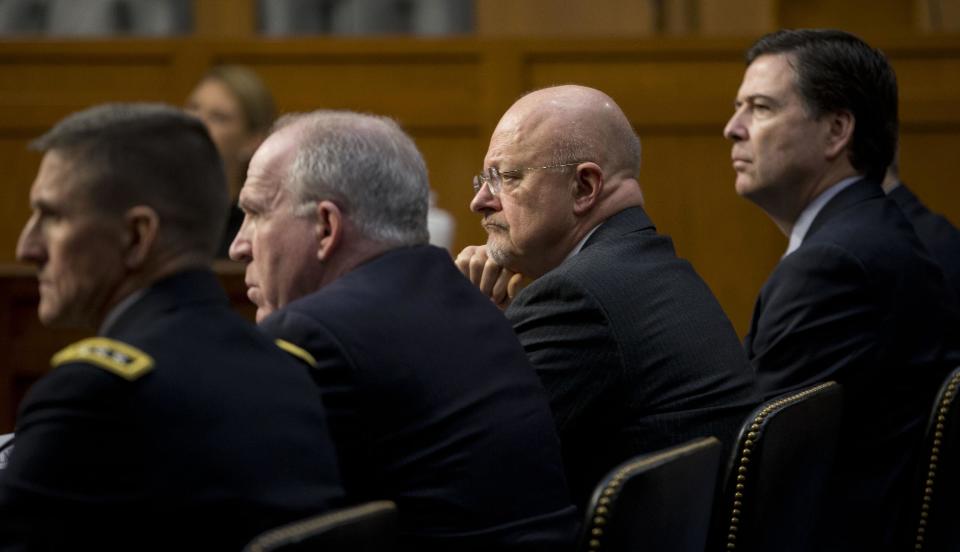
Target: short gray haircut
[368,166]
[128,154]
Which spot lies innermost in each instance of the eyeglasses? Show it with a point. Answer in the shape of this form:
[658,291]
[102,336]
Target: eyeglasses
[493,177]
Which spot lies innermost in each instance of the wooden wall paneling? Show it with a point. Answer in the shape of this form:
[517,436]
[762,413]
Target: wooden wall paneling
[687,183]
[418,85]
[750,18]
[544,18]
[224,18]
[930,166]
[452,160]
[928,76]
[20,169]
[868,18]
[40,83]
[940,15]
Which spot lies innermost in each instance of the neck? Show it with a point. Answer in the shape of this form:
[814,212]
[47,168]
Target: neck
[785,204]
[151,271]
[350,257]
[617,195]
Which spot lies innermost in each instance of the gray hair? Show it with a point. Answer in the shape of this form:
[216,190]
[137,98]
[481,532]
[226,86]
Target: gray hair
[147,154]
[368,166]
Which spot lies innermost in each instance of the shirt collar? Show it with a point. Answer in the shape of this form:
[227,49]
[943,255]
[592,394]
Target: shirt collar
[582,242]
[802,226]
[120,308]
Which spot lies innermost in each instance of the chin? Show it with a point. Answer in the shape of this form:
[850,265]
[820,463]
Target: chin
[745,188]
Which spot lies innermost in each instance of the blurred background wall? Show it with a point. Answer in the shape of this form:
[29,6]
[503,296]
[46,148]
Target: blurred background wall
[446,70]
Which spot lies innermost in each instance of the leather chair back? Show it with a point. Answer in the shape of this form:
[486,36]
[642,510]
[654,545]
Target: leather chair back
[777,473]
[935,506]
[658,501]
[369,527]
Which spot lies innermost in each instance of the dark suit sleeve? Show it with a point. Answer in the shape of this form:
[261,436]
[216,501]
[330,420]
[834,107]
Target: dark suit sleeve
[819,315]
[567,337]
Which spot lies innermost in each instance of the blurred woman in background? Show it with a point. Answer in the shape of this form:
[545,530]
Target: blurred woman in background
[237,109]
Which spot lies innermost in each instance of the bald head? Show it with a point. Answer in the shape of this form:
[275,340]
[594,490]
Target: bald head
[576,123]
[561,160]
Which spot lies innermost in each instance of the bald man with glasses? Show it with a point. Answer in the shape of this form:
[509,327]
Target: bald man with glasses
[633,349]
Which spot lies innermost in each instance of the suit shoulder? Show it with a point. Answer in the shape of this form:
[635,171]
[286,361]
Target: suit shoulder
[116,357]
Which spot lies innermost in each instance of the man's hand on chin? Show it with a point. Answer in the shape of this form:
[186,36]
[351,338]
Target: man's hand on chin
[498,283]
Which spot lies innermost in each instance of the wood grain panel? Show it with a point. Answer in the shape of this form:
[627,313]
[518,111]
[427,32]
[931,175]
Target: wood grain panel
[452,161]
[40,85]
[20,168]
[653,93]
[929,89]
[930,165]
[687,183]
[418,92]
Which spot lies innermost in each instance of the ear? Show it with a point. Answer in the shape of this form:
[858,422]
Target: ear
[587,188]
[142,226]
[840,133]
[330,227]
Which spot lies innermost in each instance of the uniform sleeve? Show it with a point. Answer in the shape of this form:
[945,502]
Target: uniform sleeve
[568,340]
[70,431]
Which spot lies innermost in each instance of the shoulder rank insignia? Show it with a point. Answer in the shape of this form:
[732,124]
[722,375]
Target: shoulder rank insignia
[297,352]
[113,356]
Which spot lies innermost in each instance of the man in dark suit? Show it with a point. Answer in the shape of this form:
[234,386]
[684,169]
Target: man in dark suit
[432,403]
[180,425]
[941,238]
[855,298]
[632,347]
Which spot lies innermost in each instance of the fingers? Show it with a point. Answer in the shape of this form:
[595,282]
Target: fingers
[517,282]
[492,279]
[471,262]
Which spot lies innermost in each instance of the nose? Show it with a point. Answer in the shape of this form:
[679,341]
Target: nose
[241,249]
[735,129]
[29,246]
[484,201]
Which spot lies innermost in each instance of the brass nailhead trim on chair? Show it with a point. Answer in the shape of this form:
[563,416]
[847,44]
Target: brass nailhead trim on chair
[942,410]
[747,450]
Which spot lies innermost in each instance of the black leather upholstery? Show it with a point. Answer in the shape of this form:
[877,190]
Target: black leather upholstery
[934,520]
[658,501]
[369,527]
[777,472]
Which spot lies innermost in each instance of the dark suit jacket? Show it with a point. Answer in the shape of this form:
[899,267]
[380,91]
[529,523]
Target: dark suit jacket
[222,439]
[941,238]
[432,404]
[861,303]
[633,349]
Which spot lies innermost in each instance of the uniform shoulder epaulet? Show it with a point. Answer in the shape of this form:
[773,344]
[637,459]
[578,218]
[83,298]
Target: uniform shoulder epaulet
[296,351]
[113,356]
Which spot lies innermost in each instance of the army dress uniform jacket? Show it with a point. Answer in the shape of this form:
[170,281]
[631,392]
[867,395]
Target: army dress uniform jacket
[183,428]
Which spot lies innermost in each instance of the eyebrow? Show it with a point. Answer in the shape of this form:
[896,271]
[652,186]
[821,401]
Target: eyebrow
[754,97]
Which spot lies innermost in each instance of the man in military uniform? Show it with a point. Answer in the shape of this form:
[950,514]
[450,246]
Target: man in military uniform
[179,425]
